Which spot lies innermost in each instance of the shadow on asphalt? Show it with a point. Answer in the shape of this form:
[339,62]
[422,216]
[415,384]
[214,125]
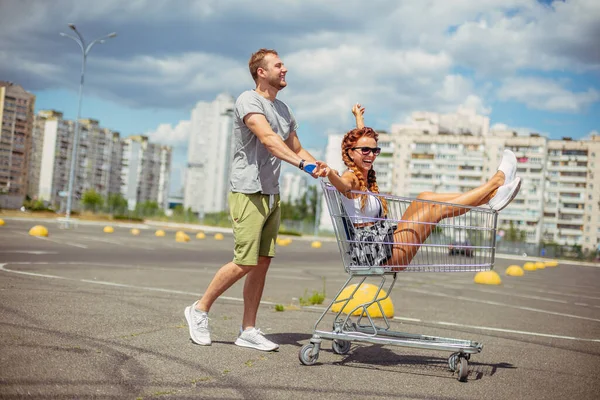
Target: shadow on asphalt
[379,357]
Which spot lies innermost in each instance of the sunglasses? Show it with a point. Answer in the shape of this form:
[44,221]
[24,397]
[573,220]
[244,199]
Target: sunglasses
[366,150]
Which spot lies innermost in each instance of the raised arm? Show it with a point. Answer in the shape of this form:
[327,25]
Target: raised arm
[359,111]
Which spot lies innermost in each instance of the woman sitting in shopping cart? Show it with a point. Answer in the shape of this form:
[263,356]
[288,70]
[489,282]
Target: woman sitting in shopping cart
[359,151]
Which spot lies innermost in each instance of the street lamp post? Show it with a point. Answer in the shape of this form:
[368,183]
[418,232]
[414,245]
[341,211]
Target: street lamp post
[85,49]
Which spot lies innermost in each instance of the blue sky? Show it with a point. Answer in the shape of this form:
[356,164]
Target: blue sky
[529,65]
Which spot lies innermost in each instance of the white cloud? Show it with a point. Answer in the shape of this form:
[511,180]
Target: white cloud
[546,94]
[167,135]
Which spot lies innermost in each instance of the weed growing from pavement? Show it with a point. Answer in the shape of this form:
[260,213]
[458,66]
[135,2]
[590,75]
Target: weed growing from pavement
[316,297]
[279,307]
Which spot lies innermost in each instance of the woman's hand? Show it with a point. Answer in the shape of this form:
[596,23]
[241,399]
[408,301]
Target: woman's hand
[358,110]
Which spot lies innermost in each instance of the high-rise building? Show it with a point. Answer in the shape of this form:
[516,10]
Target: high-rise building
[164,175]
[95,157]
[54,143]
[209,156]
[293,186]
[559,197]
[16,115]
[145,170]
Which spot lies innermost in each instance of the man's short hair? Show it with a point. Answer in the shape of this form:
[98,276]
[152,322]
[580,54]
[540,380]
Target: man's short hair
[257,61]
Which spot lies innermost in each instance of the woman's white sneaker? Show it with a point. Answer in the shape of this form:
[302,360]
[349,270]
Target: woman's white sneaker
[505,194]
[255,339]
[508,166]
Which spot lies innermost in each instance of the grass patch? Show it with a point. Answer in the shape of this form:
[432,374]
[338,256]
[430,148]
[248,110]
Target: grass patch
[279,307]
[315,298]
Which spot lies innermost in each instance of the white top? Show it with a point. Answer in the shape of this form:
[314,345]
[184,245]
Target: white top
[358,216]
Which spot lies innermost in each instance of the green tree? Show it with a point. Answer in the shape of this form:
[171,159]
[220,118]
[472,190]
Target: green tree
[92,200]
[116,203]
[147,208]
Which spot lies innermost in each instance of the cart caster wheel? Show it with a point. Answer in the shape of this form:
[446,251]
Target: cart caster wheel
[340,346]
[305,355]
[463,369]
[453,361]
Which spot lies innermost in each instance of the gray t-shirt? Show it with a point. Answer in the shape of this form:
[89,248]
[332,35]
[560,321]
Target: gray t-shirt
[254,169]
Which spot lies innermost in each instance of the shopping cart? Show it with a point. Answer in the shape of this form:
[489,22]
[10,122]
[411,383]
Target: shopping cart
[460,243]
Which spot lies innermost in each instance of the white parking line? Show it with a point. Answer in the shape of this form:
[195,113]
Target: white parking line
[116,243]
[496,303]
[154,289]
[487,328]
[82,246]
[30,252]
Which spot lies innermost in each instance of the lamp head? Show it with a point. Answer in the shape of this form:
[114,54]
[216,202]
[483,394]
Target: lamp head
[72,26]
[112,35]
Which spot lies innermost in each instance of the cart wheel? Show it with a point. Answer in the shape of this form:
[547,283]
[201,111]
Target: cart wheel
[452,361]
[463,369]
[340,346]
[306,356]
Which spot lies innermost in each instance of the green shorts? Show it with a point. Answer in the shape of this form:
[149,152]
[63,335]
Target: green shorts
[255,225]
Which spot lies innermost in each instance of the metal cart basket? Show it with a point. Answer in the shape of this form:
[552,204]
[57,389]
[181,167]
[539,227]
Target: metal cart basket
[463,242]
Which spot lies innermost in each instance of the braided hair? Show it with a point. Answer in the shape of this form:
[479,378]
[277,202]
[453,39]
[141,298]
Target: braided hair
[370,184]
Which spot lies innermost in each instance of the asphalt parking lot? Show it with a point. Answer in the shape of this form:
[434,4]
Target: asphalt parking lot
[87,314]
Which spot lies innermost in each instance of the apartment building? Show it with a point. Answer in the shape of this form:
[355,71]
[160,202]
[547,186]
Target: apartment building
[53,150]
[571,200]
[145,168]
[293,186]
[16,115]
[559,199]
[164,175]
[96,164]
[209,156]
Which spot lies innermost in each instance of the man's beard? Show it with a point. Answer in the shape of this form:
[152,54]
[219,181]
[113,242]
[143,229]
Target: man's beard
[277,83]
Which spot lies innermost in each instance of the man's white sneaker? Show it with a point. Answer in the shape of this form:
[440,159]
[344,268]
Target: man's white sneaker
[198,324]
[505,194]
[255,339]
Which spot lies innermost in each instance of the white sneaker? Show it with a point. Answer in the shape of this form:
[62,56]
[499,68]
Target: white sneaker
[505,194]
[198,324]
[255,339]
[508,165]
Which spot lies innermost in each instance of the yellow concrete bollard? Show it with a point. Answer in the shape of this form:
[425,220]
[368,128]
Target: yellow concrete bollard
[364,294]
[316,244]
[39,230]
[135,231]
[540,265]
[514,270]
[487,278]
[159,233]
[551,263]
[181,236]
[529,266]
[284,241]
[200,235]
[219,236]
[1,222]
[108,229]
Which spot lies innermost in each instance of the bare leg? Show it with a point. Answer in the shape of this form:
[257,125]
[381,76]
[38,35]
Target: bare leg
[420,218]
[225,277]
[253,290]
